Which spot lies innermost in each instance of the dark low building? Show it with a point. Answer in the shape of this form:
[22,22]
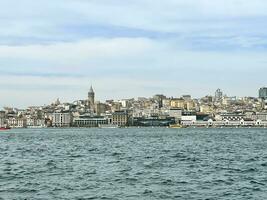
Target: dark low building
[87,121]
[153,121]
[203,117]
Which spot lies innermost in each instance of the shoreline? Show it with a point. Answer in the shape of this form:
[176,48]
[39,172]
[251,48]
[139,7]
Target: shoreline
[158,127]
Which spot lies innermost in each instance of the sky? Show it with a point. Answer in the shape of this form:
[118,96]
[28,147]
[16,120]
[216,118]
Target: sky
[53,49]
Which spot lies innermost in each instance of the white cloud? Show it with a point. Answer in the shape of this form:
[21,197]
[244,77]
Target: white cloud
[180,45]
[45,19]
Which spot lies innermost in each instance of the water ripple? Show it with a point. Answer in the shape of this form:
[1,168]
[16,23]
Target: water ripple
[133,164]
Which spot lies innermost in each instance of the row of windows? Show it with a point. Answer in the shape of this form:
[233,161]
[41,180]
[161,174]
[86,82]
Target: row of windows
[90,122]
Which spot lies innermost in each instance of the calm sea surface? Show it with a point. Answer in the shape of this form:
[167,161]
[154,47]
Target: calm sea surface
[155,163]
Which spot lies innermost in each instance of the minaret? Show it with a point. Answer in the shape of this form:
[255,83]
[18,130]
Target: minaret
[91,97]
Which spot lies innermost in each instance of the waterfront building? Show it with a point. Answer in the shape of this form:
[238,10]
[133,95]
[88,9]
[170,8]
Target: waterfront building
[233,116]
[223,123]
[153,121]
[120,118]
[250,115]
[17,123]
[88,121]
[191,118]
[176,113]
[263,93]
[61,119]
[261,123]
[35,123]
[203,117]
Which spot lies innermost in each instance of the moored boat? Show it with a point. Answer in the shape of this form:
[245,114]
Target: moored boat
[175,126]
[108,126]
[4,128]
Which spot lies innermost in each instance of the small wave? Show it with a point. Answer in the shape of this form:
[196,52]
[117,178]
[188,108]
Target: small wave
[250,170]
[76,156]
[166,150]
[167,182]
[256,182]
[131,180]
[90,173]
[88,198]
[127,169]
[147,191]
[92,149]
[104,197]
[116,153]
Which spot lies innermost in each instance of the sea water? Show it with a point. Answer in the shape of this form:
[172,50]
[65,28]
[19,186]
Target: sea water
[133,163]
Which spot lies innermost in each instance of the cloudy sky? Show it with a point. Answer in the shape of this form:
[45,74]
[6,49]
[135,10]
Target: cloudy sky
[130,48]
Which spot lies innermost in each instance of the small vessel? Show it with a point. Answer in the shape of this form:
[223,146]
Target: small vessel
[4,128]
[108,126]
[175,126]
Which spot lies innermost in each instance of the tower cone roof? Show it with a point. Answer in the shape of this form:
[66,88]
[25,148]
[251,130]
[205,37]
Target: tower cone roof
[91,89]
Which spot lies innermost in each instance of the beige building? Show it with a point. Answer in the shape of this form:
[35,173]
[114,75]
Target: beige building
[183,104]
[190,105]
[206,109]
[178,103]
[120,118]
[100,108]
[166,103]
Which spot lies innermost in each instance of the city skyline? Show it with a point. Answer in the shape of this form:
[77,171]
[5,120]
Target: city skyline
[91,91]
[52,49]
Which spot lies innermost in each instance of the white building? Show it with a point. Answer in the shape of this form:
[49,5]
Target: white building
[226,123]
[17,123]
[35,123]
[61,119]
[188,120]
